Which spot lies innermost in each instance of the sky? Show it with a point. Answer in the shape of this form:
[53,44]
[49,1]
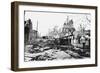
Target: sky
[47,20]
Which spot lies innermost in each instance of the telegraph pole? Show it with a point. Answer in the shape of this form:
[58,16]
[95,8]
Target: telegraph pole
[37,29]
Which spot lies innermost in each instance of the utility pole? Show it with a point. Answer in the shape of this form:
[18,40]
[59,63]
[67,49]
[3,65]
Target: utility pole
[68,29]
[67,18]
[37,30]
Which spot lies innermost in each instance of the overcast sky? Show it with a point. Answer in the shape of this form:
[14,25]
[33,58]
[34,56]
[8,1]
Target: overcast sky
[47,20]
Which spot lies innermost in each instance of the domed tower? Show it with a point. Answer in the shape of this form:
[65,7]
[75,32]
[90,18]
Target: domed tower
[68,30]
[68,27]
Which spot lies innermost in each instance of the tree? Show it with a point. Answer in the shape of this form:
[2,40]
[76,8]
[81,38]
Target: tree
[54,32]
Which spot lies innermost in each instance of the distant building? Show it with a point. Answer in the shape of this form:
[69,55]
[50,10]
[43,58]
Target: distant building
[27,29]
[33,35]
[29,33]
[68,27]
[68,30]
